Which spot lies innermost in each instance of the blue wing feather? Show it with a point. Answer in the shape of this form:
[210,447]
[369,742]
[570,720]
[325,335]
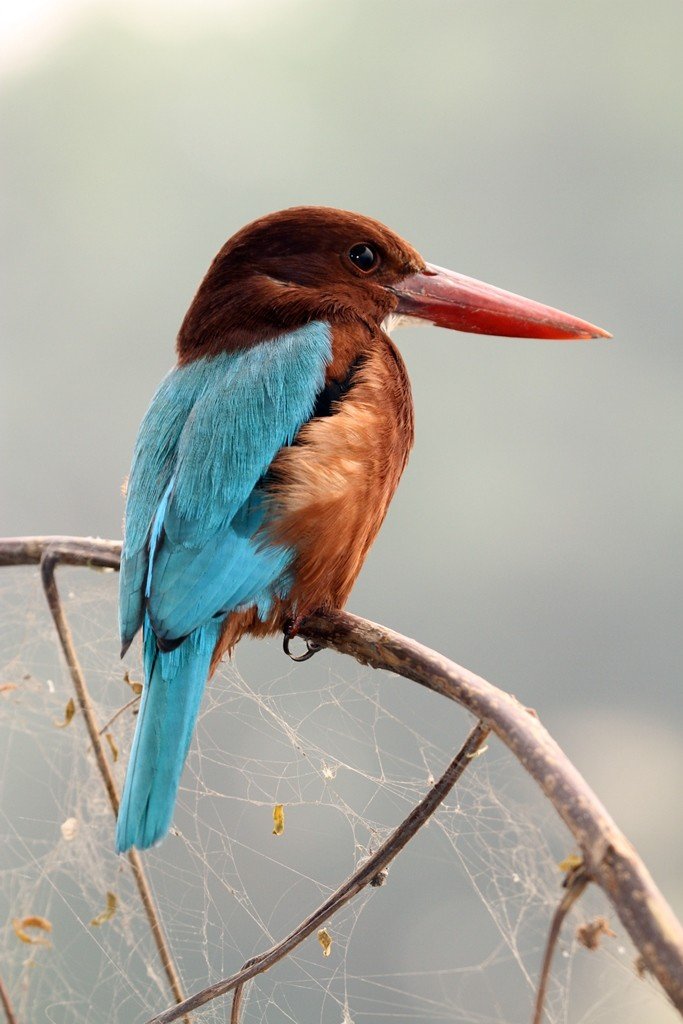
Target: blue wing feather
[192,553]
[214,427]
[153,465]
[192,583]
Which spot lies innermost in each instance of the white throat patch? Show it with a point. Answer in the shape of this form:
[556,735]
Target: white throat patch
[394,320]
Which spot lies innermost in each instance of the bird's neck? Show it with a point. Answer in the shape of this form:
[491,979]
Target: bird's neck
[228,315]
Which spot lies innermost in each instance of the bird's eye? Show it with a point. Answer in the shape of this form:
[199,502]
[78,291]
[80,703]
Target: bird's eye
[363,257]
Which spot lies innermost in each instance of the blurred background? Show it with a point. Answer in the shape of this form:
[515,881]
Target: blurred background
[537,534]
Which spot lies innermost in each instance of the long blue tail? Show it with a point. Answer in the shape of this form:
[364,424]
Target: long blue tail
[174,684]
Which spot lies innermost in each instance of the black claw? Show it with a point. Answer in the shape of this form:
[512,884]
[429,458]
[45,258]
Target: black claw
[311,648]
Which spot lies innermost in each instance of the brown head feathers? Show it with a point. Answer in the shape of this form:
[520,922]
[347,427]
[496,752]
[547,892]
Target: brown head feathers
[290,268]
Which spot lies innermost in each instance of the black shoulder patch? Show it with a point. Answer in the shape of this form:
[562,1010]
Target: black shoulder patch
[336,390]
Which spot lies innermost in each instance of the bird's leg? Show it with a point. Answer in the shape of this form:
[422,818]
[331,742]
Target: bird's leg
[291,629]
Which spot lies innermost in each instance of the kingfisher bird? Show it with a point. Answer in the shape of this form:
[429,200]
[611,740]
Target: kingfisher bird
[266,462]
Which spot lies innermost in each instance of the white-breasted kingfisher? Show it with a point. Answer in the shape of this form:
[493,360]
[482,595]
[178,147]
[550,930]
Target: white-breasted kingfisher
[265,464]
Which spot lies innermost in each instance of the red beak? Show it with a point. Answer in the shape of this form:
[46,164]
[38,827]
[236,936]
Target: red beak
[452,300]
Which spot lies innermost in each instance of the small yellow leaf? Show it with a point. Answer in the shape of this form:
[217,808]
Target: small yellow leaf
[108,912]
[325,940]
[112,746]
[571,863]
[278,819]
[8,687]
[135,686]
[20,924]
[69,712]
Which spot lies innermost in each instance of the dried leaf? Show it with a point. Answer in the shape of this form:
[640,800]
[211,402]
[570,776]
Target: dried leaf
[278,819]
[8,687]
[478,752]
[108,912]
[571,863]
[325,940]
[135,686]
[589,934]
[69,712]
[112,746]
[69,828]
[20,924]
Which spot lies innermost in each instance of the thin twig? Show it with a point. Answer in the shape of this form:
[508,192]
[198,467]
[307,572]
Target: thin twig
[110,722]
[238,995]
[70,554]
[575,883]
[610,859]
[362,877]
[6,1004]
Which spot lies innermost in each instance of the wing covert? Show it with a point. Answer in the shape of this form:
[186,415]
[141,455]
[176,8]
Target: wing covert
[199,485]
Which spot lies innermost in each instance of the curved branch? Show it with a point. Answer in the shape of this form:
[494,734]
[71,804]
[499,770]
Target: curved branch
[365,875]
[610,859]
[50,552]
[66,553]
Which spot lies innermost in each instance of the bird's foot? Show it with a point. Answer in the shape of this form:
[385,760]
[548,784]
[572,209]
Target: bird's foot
[290,631]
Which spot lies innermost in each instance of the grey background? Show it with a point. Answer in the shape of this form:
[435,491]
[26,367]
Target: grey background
[536,536]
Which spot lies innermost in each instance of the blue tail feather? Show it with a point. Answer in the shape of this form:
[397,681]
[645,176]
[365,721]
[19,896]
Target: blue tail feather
[195,549]
[174,684]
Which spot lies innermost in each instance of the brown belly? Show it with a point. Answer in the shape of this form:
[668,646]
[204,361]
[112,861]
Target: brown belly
[330,492]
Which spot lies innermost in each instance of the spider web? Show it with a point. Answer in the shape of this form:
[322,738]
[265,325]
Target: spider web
[456,934]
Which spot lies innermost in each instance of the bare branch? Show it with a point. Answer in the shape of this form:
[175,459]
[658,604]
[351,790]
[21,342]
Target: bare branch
[88,551]
[64,551]
[6,1004]
[236,1010]
[575,883]
[362,877]
[610,859]
[117,714]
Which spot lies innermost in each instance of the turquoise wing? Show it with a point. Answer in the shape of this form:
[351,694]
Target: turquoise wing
[195,502]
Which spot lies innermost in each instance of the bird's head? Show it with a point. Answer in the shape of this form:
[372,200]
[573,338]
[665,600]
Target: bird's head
[316,263]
